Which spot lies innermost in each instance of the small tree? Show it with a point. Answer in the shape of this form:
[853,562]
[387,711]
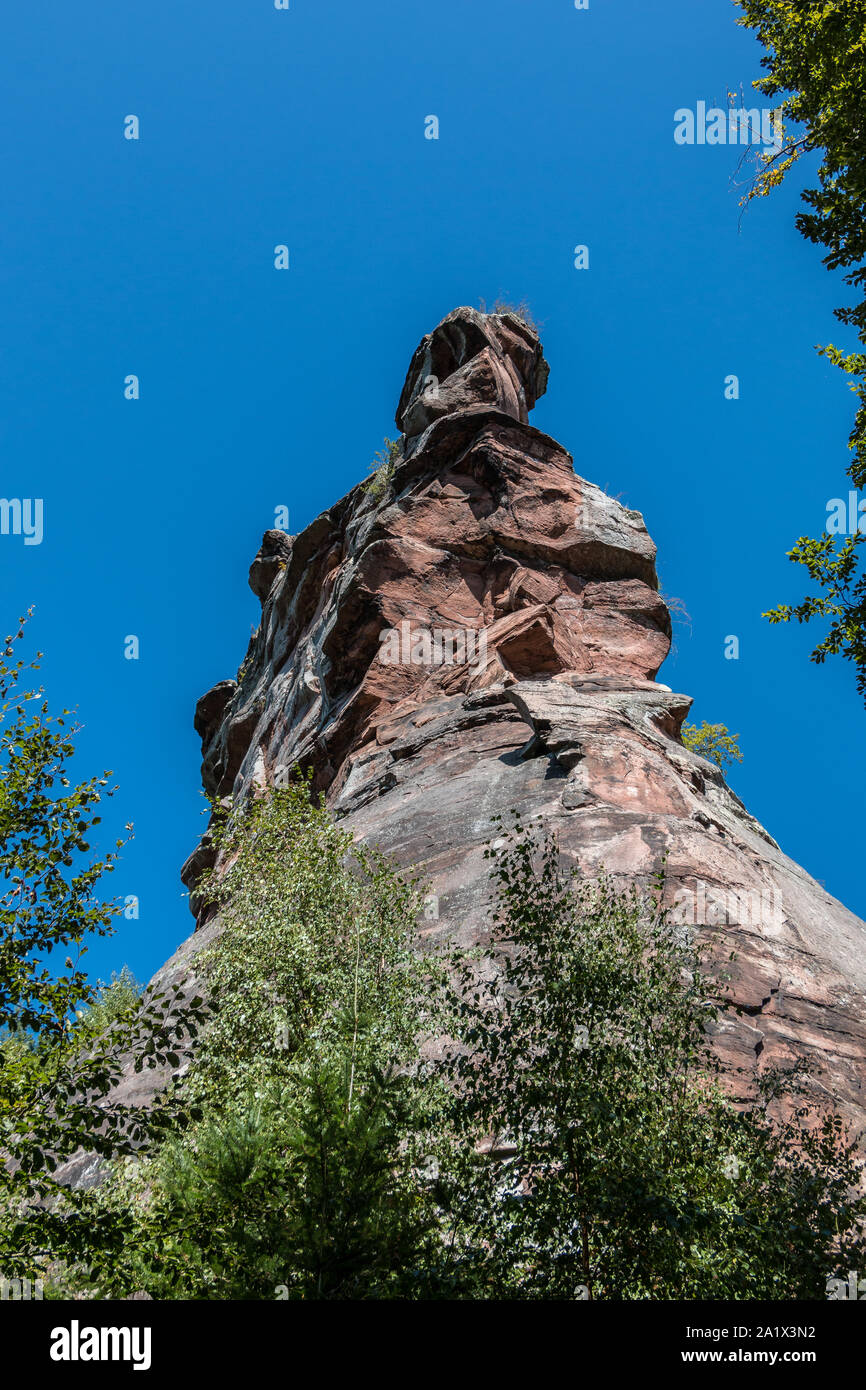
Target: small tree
[57,1073]
[713,742]
[602,1160]
[116,1001]
[302,1172]
[382,468]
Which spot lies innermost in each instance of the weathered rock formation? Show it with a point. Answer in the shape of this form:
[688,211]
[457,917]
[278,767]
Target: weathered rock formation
[486,543]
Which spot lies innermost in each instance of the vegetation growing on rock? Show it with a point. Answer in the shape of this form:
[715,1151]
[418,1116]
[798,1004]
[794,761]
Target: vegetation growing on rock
[566,1137]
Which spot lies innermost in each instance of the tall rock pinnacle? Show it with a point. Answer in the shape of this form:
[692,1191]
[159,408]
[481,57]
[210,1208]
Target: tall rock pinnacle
[482,630]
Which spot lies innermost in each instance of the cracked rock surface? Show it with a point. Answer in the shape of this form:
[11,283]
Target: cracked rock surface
[486,529]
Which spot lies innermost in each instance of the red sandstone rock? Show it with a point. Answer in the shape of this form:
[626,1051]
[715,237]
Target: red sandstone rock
[487,529]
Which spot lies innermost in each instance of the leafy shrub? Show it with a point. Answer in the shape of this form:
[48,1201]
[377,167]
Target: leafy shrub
[713,742]
[117,1001]
[64,1042]
[308,1113]
[382,467]
[617,1167]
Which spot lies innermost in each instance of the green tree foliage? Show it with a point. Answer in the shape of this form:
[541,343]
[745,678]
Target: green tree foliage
[311,1116]
[712,741]
[816,64]
[119,1000]
[382,467]
[617,1168]
[63,1041]
[567,1136]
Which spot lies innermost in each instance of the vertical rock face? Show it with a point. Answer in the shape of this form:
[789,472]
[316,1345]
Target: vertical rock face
[484,547]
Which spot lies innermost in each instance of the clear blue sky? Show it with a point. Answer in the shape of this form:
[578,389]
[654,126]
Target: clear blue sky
[261,388]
